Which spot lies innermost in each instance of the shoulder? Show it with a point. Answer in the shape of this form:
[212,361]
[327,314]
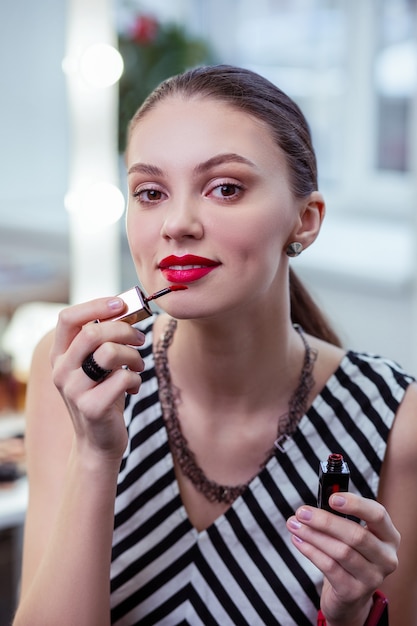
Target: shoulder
[385,375]
[369,389]
[40,382]
[402,443]
[365,362]
[43,347]
[329,358]
[377,377]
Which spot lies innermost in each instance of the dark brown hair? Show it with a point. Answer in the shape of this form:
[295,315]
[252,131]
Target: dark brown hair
[257,96]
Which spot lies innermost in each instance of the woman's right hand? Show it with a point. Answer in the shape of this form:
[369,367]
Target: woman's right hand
[96,408]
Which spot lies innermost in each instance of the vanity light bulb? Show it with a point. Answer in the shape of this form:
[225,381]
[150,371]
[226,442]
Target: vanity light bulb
[101,65]
[98,204]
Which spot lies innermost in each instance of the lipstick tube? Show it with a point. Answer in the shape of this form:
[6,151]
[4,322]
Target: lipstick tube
[333,477]
[137,306]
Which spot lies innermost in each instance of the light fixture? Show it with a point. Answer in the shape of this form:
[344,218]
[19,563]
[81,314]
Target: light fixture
[96,205]
[100,65]
[94,202]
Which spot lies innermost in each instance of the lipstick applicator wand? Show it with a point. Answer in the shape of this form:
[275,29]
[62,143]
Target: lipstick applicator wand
[164,291]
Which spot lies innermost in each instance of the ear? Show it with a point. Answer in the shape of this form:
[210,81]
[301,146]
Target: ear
[311,214]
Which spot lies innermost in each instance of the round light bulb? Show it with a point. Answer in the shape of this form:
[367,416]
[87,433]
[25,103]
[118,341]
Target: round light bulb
[96,205]
[101,65]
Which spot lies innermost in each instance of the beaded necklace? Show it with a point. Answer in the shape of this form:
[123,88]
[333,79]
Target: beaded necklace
[287,423]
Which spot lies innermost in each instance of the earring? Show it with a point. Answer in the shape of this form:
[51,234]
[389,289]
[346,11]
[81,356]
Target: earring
[294,249]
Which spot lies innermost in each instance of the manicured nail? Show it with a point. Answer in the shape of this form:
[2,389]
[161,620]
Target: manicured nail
[304,514]
[297,539]
[115,304]
[338,501]
[294,524]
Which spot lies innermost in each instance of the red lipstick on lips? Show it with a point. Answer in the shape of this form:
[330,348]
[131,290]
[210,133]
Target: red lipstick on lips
[187,268]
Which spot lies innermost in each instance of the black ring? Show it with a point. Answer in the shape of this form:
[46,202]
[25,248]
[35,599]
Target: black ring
[94,370]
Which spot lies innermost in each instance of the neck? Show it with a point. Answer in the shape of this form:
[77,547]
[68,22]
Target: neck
[170,400]
[244,364]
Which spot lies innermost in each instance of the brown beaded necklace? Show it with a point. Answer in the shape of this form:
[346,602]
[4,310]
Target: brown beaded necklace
[287,423]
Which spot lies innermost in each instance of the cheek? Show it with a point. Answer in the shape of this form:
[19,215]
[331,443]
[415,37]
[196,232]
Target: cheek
[254,238]
[141,237]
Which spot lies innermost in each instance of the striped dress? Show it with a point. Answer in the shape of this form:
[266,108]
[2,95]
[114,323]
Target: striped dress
[243,569]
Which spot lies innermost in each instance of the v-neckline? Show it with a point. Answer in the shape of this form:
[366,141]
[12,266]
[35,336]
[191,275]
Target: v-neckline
[273,460]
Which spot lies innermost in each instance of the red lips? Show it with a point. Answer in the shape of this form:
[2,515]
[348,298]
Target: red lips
[187,268]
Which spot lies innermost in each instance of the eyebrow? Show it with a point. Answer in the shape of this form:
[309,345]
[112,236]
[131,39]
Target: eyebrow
[219,159]
[145,168]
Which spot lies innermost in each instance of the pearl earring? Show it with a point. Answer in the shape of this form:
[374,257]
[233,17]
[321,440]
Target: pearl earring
[294,249]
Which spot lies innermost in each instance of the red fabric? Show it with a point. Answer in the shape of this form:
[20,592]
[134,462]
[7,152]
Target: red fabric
[321,620]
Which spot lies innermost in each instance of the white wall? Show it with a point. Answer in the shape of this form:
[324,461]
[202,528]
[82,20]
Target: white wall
[33,122]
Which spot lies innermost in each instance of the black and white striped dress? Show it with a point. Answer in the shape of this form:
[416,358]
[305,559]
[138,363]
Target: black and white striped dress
[243,569]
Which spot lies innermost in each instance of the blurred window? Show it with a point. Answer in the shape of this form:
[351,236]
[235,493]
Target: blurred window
[395,82]
[352,67]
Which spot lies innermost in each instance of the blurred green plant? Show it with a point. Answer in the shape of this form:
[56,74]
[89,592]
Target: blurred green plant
[153,51]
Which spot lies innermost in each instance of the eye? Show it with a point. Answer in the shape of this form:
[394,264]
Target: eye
[226,191]
[148,195]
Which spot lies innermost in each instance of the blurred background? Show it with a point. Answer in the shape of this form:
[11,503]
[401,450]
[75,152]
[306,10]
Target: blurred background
[350,64]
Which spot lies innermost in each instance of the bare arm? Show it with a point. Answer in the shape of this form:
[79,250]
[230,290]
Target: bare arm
[48,443]
[398,493]
[74,450]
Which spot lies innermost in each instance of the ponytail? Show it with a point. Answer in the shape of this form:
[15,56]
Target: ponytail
[306,313]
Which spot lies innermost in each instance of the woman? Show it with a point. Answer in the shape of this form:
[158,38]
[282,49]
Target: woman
[213,523]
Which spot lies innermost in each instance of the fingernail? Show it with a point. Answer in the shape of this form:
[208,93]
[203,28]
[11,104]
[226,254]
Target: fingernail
[115,304]
[140,335]
[294,524]
[338,501]
[304,514]
[297,539]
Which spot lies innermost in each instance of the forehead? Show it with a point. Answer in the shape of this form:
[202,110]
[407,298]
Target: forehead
[201,125]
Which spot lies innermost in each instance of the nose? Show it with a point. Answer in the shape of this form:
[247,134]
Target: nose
[182,219]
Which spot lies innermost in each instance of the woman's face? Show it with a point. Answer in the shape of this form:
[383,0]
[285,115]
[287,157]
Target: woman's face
[210,207]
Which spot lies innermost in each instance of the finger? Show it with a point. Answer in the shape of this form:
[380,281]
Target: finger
[357,553]
[72,319]
[109,357]
[72,378]
[98,400]
[345,541]
[319,527]
[91,336]
[349,582]
[375,516]
[96,367]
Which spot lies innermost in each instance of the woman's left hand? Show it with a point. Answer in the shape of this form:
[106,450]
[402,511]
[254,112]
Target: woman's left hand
[354,558]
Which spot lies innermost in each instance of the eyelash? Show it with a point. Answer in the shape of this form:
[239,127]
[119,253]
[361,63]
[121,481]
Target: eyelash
[140,194]
[239,189]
